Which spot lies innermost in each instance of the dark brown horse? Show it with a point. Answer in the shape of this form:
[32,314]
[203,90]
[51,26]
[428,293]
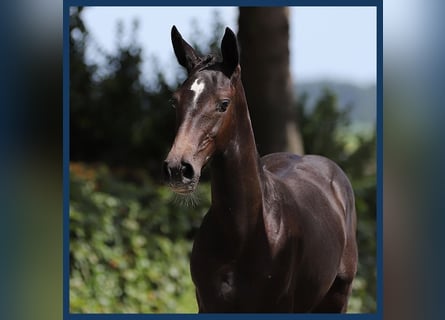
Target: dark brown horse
[280,233]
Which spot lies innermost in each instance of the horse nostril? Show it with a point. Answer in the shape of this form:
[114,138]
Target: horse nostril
[166,171]
[187,170]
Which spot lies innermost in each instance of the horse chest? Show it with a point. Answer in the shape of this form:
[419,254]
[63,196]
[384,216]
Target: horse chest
[233,286]
[219,280]
[228,279]
[225,284]
[224,288]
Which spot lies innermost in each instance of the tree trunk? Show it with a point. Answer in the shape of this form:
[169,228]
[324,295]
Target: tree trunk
[264,42]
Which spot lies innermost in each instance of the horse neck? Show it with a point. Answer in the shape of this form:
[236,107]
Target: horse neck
[236,177]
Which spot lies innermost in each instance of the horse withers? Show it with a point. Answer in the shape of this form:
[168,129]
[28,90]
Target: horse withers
[280,233]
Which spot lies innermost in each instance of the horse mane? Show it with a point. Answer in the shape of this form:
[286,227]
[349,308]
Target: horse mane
[209,61]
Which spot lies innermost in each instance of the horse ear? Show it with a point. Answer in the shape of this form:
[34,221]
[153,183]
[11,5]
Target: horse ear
[230,52]
[185,54]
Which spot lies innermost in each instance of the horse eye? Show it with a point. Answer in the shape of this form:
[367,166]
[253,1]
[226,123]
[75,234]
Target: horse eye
[222,105]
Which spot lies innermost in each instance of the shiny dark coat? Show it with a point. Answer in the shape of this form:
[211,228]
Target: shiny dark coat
[280,233]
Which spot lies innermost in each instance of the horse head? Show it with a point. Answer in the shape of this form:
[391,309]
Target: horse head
[204,106]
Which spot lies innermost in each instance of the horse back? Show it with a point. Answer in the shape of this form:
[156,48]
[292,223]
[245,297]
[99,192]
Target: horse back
[311,179]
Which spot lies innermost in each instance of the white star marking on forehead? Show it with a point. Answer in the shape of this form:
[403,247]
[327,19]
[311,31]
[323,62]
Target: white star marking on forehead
[197,87]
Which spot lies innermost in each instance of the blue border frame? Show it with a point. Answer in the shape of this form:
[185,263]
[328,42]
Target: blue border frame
[222,3]
[66,159]
[379,224]
[66,156]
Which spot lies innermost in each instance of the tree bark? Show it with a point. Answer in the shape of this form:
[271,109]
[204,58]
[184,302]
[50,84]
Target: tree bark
[264,43]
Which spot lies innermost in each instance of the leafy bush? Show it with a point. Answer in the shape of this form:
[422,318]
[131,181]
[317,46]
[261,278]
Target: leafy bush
[129,243]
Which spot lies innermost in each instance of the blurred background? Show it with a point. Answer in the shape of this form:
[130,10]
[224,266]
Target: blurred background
[31,158]
[310,81]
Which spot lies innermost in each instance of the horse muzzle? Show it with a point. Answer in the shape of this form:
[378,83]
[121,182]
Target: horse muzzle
[180,176]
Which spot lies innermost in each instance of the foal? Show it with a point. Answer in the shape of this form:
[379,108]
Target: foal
[280,233]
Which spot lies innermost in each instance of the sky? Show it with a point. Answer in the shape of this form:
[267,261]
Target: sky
[326,43]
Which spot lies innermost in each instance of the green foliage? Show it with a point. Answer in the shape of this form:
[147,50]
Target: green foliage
[325,132]
[113,116]
[130,242]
